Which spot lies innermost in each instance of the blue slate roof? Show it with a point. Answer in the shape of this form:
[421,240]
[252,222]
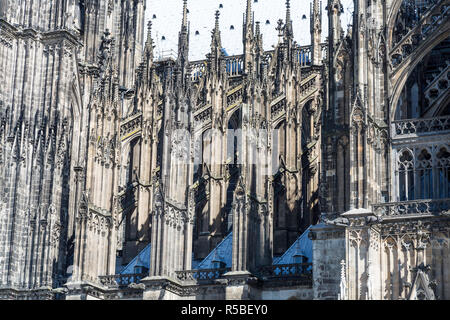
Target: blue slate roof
[141,260]
[301,246]
[223,253]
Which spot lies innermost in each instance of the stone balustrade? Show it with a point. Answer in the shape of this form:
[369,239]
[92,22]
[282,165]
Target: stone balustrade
[206,275]
[235,64]
[131,124]
[435,207]
[303,55]
[420,126]
[197,70]
[297,270]
[121,280]
[308,85]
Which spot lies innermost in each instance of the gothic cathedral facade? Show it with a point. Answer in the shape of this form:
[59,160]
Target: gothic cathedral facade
[303,172]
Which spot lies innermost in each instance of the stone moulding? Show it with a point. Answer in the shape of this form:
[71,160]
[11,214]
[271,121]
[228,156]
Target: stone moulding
[35,294]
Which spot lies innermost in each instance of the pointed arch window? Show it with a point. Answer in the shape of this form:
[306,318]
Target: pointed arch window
[406,175]
[443,172]
[306,124]
[425,175]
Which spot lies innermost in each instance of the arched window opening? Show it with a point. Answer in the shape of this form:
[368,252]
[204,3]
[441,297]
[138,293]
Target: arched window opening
[201,225]
[279,189]
[422,112]
[406,176]
[425,175]
[306,139]
[279,146]
[306,126]
[129,221]
[443,173]
[233,165]
[133,161]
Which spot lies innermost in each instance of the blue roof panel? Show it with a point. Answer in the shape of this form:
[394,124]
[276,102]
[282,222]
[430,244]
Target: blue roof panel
[141,260]
[301,246]
[223,253]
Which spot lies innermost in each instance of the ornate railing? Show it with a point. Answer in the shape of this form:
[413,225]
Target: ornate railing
[278,106]
[234,65]
[198,69]
[203,115]
[421,126]
[121,280]
[308,85]
[303,55]
[130,124]
[234,95]
[201,275]
[413,208]
[296,270]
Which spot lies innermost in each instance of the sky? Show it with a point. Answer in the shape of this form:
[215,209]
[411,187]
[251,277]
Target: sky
[166,16]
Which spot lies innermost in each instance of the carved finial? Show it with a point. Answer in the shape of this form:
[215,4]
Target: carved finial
[249,12]
[217,20]
[288,11]
[149,41]
[184,24]
[316,5]
[183,39]
[288,26]
[240,188]
[105,49]
[316,15]
[279,27]
[343,284]
[216,42]
[149,27]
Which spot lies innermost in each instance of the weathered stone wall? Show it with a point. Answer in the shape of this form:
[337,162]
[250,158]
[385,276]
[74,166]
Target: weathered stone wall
[299,293]
[328,252]
[37,112]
